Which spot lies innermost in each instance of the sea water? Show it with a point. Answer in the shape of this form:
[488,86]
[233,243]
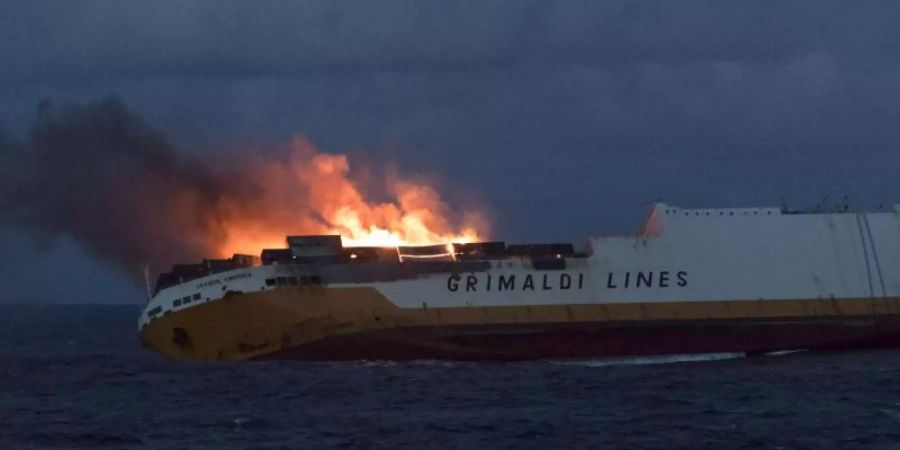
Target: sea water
[77,377]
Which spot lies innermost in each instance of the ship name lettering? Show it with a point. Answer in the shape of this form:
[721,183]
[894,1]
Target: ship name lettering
[646,279]
[508,283]
[208,283]
[565,281]
[470,283]
[548,282]
[237,276]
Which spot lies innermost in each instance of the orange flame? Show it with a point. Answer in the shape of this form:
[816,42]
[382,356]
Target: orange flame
[312,193]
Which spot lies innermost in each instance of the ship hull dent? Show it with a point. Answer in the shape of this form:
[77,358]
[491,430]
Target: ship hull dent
[360,323]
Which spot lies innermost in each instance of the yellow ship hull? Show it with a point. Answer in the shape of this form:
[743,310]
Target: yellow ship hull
[322,323]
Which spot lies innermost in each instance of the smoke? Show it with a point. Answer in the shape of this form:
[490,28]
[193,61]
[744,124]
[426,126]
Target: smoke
[99,173]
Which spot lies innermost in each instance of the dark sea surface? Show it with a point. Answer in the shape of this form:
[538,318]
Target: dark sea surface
[76,377]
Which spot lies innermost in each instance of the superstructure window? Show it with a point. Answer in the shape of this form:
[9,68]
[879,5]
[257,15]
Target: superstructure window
[197,296]
[292,281]
[270,282]
[176,302]
[186,300]
[281,281]
[154,311]
[315,279]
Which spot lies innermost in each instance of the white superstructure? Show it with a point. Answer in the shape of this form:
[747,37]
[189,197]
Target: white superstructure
[741,254]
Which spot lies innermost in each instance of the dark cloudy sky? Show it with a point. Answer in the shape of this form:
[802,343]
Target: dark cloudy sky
[565,117]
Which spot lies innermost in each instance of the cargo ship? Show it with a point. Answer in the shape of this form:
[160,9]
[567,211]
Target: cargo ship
[753,280]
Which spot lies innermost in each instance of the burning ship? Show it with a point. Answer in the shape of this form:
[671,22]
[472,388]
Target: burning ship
[752,280]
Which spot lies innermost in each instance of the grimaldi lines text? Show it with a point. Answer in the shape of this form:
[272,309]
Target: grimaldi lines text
[754,280]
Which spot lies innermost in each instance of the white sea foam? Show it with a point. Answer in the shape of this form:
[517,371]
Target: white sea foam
[785,352]
[654,359]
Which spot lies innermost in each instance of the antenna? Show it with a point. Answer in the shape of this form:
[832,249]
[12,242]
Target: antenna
[147,281]
[821,207]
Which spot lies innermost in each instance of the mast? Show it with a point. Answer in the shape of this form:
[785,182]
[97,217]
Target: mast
[147,281]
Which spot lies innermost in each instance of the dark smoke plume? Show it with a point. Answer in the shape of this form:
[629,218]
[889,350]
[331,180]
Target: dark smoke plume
[99,173]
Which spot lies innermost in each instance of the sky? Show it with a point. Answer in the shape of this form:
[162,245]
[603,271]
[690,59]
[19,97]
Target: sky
[562,118]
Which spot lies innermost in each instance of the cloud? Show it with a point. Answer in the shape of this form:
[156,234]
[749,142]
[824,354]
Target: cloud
[60,43]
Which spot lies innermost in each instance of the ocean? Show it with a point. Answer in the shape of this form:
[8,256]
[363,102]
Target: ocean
[77,377]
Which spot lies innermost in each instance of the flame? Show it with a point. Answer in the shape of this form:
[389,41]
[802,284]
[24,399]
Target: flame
[312,193]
